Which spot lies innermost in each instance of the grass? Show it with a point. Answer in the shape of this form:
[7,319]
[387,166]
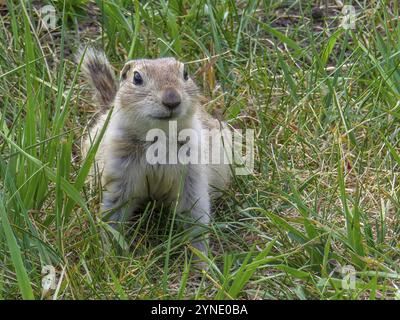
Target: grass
[324,102]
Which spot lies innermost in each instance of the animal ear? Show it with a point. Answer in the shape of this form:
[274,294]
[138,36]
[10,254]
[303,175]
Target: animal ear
[125,70]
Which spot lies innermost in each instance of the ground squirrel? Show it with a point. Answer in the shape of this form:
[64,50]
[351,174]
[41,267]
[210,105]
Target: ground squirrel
[150,94]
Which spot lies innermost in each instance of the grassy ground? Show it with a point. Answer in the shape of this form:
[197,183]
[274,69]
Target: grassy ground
[325,105]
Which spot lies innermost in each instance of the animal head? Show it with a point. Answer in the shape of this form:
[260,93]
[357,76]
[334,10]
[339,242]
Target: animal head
[154,91]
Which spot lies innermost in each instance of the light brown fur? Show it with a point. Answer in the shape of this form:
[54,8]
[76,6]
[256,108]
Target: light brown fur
[126,174]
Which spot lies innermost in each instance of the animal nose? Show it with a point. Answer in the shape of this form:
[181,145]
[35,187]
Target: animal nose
[171,98]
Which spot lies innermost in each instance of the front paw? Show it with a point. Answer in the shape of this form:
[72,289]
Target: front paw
[200,253]
[200,266]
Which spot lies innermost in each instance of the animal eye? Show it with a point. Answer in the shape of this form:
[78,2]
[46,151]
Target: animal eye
[185,74]
[137,78]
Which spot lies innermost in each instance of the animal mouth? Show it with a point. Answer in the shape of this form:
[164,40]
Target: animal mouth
[166,117]
[169,116]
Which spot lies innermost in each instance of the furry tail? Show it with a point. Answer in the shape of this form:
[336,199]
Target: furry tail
[98,72]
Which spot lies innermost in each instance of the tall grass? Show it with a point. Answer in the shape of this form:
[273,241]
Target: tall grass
[324,194]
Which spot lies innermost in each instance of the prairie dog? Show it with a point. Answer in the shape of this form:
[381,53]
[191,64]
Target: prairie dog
[150,94]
